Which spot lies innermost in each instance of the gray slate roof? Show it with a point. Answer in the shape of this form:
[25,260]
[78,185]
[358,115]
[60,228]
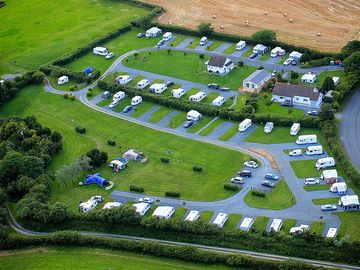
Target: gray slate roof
[257,76]
[291,90]
[217,61]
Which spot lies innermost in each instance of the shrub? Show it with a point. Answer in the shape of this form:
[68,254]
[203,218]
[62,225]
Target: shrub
[197,168]
[72,88]
[80,129]
[201,56]
[240,63]
[228,186]
[172,194]
[89,93]
[165,160]
[66,95]
[111,142]
[136,188]
[72,98]
[259,193]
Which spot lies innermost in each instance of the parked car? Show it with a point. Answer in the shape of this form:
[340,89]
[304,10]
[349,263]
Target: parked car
[328,207]
[287,62]
[97,198]
[169,83]
[311,181]
[237,180]
[293,63]
[253,55]
[127,109]
[146,200]
[273,74]
[287,103]
[140,35]
[251,164]
[313,113]
[244,173]
[213,86]
[271,176]
[106,94]
[295,153]
[188,124]
[110,55]
[267,183]
[225,89]
[161,42]
[114,103]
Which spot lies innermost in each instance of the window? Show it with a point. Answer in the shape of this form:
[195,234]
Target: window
[306,99]
[297,98]
[281,97]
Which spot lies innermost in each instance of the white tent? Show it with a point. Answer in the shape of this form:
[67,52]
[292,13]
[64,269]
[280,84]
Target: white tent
[132,155]
[349,202]
[164,212]
[339,187]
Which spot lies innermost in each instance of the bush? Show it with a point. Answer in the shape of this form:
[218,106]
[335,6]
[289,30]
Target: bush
[72,87]
[201,56]
[172,194]
[259,193]
[165,160]
[89,93]
[240,63]
[197,168]
[228,186]
[136,188]
[66,95]
[80,129]
[72,98]
[111,142]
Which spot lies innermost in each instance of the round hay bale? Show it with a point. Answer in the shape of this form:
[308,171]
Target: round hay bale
[285,14]
[247,22]
[265,13]
[214,16]
[318,34]
[291,20]
[222,26]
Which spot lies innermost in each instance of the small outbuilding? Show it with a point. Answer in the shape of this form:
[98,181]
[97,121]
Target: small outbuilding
[256,81]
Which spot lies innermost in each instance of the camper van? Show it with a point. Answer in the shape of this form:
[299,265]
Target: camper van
[177,93]
[167,36]
[276,225]
[119,96]
[157,88]
[314,150]
[193,115]
[123,79]
[100,51]
[220,219]
[240,45]
[136,100]
[193,216]
[142,84]
[198,96]
[218,101]
[295,128]
[203,41]
[246,224]
[88,205]
[244,125]
[63,79]
[268,127]
[306,139]
[325,162]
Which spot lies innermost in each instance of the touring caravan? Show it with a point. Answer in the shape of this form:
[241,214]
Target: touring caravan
[110,205]
[218,101]
[332,233]
[325,162]
[123,79]
[314,150]
[295,128]
[203,41]
[100,51]
[141,208]
[119,96]
[244,125]
[164,212]
[220,219]
[87,206]
[246,224]
[276,225]
[136,100]
[299,229]
[142,84]
[157,88]
[153,32]
[193,216]
[193,115]
[167,36]
[63,79]
[306,139]
[268,127]
[277,51]
[336,80]
[198,96]
[329,176]
[339,188]
[177,93]
[240,45]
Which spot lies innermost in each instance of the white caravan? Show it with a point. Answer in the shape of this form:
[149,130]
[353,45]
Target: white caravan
[314,150]
[244,125]
[141,208]
[136,100]
[240,45]
[218,101]
[153,32]
[268,127]
[87,206]
[203,41]
[177,93]
[157,88]
[193,216]
[110,205]
[167,36]
[306,139]
[198,96]
[295,128]
[325,162]
[299,229]
[332,233]
[101,51]
[164,212]
[276,225]
[123,79]
[220,219]
[246,224]
[193,115]
[119,96]
[339,187]
[142,84]
[63,79]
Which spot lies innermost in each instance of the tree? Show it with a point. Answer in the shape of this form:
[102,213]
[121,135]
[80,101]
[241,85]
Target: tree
[306,57]
[97,157]
[290,111]
[352,64]
[205,29]
[37,76]
[267,37]
[268,103]
[168,51]
[10,167]
[294,75]
[327,85]
[265,96]
[73,171]
[32,166]
[326,112]
[248,109]
[55,137]
[136,55]
[350,48]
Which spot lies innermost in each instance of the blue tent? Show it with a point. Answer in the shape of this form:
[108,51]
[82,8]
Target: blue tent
[95,179]
[88,70]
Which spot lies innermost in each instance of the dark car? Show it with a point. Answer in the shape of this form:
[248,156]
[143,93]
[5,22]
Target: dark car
[313,113]
[127,109]
[161,42]
[271,176]
[253,55]
[293,63]
[188,124]
[287,104]
[267,184]
[140,35]
[225,89]
[169,83]
[213,86]
[106,94]
[245,173]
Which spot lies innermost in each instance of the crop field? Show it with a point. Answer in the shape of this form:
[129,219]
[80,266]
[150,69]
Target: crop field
[337,21]
[55,28]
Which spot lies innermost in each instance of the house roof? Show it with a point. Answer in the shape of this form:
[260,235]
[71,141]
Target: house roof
[258,76]
[218,61]
[291,90]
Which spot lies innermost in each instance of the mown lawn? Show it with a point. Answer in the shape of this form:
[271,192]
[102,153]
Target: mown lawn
[305,168]
[64,115]
[335,73]
[36,32]
[265,56]
[160,114]
[189,67]
[210,97]
[206,216]
[142,108]
[317,227]
[210,128]
[177,120]
[122,104]
[288,224]
[241,101]
[317,187]
[278,198]
[179,38]
[179,213]
[232,221]
[260,223]
[66,86]
[349,225]
[231,49]
[229,133]
[247,53]
[104,102]
[193,44]
[199,124]
[333,200]
[276,108]
[213,45]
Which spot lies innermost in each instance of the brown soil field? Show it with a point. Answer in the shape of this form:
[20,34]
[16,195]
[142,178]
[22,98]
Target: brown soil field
[337,21]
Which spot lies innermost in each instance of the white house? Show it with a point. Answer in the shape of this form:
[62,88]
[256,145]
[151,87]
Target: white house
[110,205]
[63,79]
[199,96]
[123,79]
[329,176]
[349,202]
[240,45]
[246,224]
[141,208]
[153,32]
[256,81]
[164,212]
[298,94]
[218,101]
[220,219]
[157,88]
[193,215]
[177,93]
[260,49]
[219,65]
[193,115]
[309,77]
[339,188]
[277,51]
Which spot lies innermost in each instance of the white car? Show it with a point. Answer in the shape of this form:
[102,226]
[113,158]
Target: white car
[146,200]
[251,164]
[110,55]
[295,153]
[311,181]
[97,198]
[114,103]
[287,62]
[237,180]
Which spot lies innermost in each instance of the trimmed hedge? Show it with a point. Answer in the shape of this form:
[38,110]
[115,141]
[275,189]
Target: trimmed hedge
[197,168]
[80,129]
[111,142]
[259,193]
[165,160]
[228,186]
[136,188]
[174,194]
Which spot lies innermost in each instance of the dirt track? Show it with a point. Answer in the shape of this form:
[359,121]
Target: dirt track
[337,21]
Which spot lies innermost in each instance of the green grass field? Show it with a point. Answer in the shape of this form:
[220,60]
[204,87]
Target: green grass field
[211,127]
[45,258]
[349,225]
[189,67]
[55,28]
[317,227]
[260,223]
[213,45]
[305,168]
[325,201]
[232,221]
[199,124]
[193,44]
[265,56]
[63,115]
[316,187]
[288,224]
[180,213]
[278,198]
[159,114]
[179,38]
[206,216]
[241,101]
[177,120]
[229,133]
[231,49]
[276,108]
[144,107]
[247,53]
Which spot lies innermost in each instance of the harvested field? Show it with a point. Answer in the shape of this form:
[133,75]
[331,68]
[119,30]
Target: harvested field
[337,21]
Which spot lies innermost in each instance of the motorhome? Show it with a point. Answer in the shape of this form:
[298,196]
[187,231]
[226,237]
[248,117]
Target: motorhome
[193,115]
[157,88]
[193,215]
[164,212]
[198,96]
[141,208]
[136,100]
[177,93]
[123,79]
[167,36]
[218,101]
[268,127]
[295,128]
[246,224]
[244,125]
[325,163]
[240,45]
[314,150]
[88,205]
[220,219]
[63,79]
[100,51]
[276,225]
[306,139]
[203,41]
[331,233]
[142,84]
[119,96]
